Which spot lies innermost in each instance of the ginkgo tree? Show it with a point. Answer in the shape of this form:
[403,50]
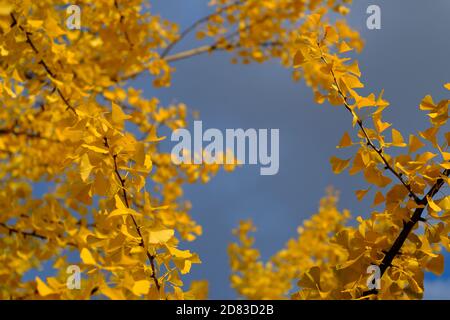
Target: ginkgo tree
[403,237]
[71,118]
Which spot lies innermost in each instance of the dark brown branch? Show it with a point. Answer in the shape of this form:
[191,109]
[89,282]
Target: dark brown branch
[43,63]
[407,228]
[24,233]
[33,234]
[150,257]
[122,24]
[31,135]
[369,141]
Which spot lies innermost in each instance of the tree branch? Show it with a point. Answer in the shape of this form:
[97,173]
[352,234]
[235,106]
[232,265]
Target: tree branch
[417,215]
[369,141]
[209,48]
[214,47]
[43,63]
[194,25]
[31,135]
[122,24]
[407,228]
[33,234]
[150,257]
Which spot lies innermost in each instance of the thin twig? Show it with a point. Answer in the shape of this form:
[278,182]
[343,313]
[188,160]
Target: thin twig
[31,135]
[122,24]
[150,257]
[369,141]
[43,63]
[33,234]
[214,47]
[408,226]
[217,45]
[194,25]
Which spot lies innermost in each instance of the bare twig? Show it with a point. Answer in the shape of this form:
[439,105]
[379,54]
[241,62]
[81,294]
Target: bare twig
[209,48]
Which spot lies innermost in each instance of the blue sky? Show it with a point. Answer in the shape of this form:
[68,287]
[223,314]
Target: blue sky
[408,57]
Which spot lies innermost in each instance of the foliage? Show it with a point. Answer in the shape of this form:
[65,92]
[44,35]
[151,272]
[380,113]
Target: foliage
[71,118]
[391,237]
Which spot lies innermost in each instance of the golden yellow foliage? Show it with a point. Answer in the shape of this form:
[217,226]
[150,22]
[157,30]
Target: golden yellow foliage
[254,279]
[71,117]
[390,237]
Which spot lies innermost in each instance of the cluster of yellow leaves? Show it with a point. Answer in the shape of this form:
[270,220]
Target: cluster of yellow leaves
[274,279]
[263,30]
[71,118]
[407,185]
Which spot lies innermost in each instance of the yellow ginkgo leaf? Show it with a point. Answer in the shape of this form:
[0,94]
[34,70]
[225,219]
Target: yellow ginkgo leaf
[86,256]
[379,198]
[360,194]
[42,288]
[445,203]
[95,148]
[85,167]
[397,139]
[415,143]
[123,211]
[141,287]
[346,141]
[339,165]
[433,205]
[430,135]
[311,279]
[374,176]
[160,236]
[344,47]
[354,68]
[380,126]
[6,8]
[187,267]
[414,285]
[331,34]
[119,202]
[35,23]
[118,116]
[299,59]
[183,254]
[436,265]
[112,293]
[427,103]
